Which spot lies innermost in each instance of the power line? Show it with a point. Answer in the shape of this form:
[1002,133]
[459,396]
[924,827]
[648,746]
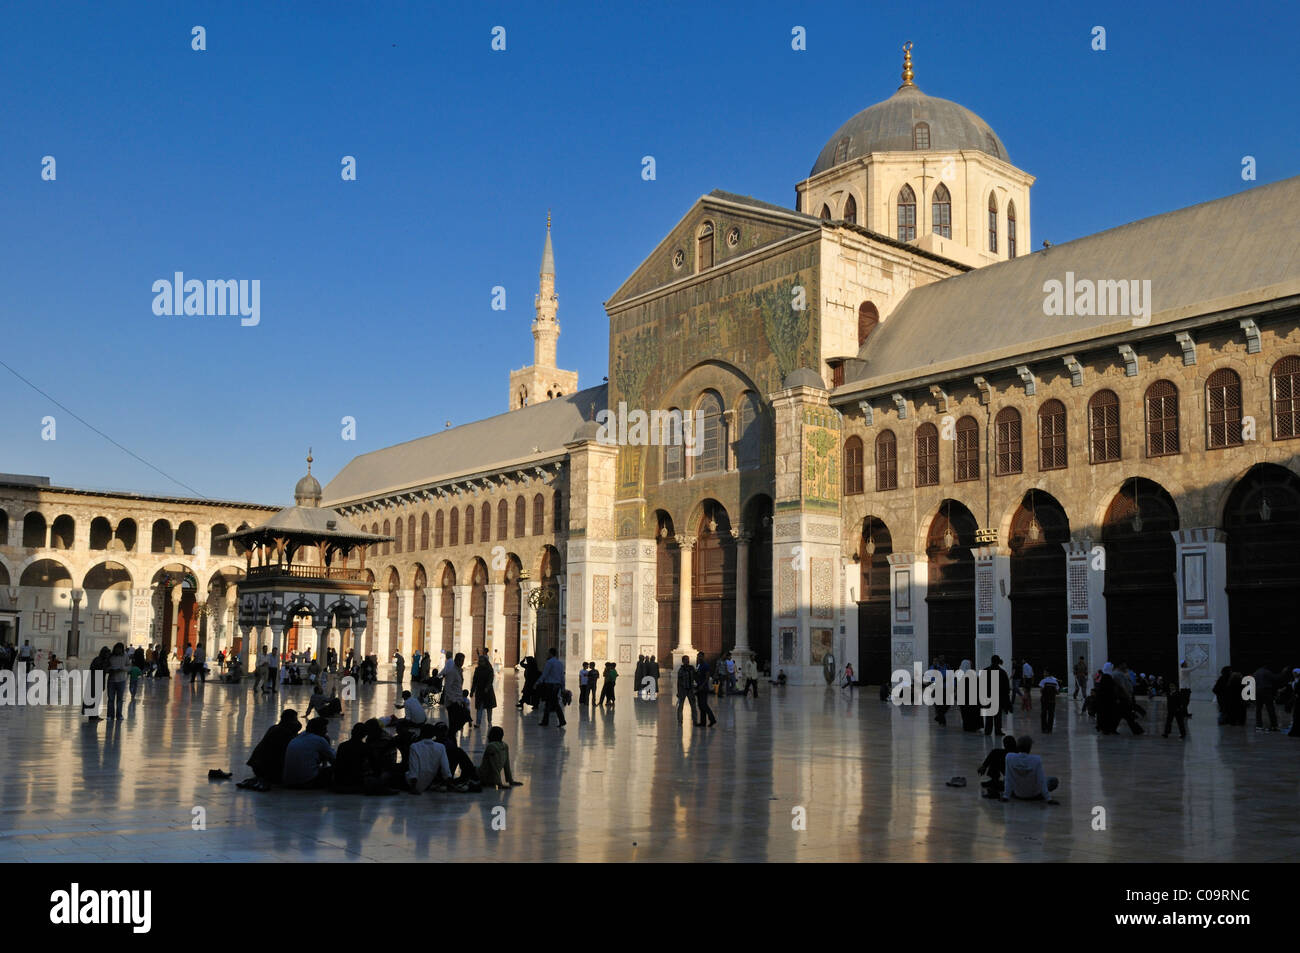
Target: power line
[87,423]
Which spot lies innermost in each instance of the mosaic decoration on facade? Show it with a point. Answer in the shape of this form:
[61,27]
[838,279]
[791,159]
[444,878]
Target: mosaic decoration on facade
[821,460]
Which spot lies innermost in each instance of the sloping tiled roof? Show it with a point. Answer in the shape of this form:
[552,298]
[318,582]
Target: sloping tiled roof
[1201,259]
[316,522]
[530,433]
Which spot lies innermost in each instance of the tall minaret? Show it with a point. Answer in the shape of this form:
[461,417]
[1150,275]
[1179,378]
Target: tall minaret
[543,380]
[546,330]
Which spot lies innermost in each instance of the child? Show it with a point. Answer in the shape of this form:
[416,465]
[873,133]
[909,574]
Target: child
[1178,702]
[134,673]
[494,770]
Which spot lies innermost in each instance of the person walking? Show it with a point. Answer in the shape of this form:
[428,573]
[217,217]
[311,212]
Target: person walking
[702,692]
[199,664]
[1000,688]
[1080,678]
[750,669]
[399,666]
[117,677]
[1178,702]
[1266,685]
[1027,679]
[1048,689]
[483,690]
[551,685]
[259,672]
[686,689]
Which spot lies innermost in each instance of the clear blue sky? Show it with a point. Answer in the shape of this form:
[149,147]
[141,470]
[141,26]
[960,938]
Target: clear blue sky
[376,293]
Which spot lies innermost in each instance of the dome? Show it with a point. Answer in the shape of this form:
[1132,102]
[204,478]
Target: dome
[588,430]
[307,491]
[890,127]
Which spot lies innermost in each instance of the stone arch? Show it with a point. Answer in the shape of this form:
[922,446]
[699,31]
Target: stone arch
[1039,530]
[63,533]
[127,533]
[874,546]
[950,599]
[101,533]
[512,611]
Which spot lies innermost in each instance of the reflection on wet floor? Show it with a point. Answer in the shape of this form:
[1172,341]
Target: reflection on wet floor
[629,784]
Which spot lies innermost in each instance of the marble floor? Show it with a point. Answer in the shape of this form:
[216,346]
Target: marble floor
[804,774]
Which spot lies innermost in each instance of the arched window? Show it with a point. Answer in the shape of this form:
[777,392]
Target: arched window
[826,213]
[967,458]
[852,466]
[712,441]
[438,527]
[851,211]
[521,514]
[424,532]
[704,244]
[674,466]
[921,136]
[485,522]
[397,537]
[1103,427]
[747,446]
[941,212]
[469,525]
[410,534]
[1008,446]
[1011,229]
[503,519]
[453,531]
[539,515]
[906,214]
[557,511]
[993,223]
[1223,409]
[1162,419]
[868,318]
[1285,381]
[1052,454]
[927,455]
[886,461]
[388,531]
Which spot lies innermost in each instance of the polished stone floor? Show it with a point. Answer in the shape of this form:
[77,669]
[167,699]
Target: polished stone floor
[628,785]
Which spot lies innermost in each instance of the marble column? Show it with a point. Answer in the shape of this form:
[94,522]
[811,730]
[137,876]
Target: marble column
[247,652]
[742,651]
[464,621]
[1201,569]
[527,620]
[684,646]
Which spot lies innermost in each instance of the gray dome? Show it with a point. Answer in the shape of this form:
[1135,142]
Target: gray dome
[888,127]
[804,377]
[589,430]
[307,492]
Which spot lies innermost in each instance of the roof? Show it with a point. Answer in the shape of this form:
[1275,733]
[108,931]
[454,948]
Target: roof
[887,127]
[1200,260]
[315,522]
[514,438]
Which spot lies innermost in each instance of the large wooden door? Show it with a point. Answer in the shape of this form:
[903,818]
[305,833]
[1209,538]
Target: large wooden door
[478,610]
[1039,609]
[713,593]
[950,599]
[511,607]
[1262,520]
[874,634]
[1141,588]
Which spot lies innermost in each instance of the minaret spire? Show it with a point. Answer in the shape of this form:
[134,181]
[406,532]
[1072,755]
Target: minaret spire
[543,380]
[907,64]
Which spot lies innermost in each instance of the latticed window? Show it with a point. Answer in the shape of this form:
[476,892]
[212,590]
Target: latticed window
[1103,427]
[705,246]
[967,461]
[539,515]
[927,455]
[906,214]
[410,535]
[1162,419]
[886,461]
[453,531]
[851,211]
[1011,229]
[521,514]
[993,223]
[469,525]
[674,454]
[388,531]
[1286,398]
[921,136]
[1010,452]
[1223,409]
[852,466]
[439,524]
[1051,436]
[941,212]
[424,531]
[712,446]
[503,519]
[397,540]
[485,522]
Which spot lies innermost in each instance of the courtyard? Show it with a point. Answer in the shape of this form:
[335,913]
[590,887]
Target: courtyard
[800,774]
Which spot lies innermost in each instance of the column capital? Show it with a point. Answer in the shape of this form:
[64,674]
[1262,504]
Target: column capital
[742,538]
[687,543]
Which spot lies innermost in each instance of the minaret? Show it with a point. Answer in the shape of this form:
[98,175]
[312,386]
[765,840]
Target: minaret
[546,330]
[543,380]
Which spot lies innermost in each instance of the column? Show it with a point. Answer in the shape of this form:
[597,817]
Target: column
[1085,586]
[496,620]
[464,621]
[742,651]
[1204,642]
[403,637]
[432,621]
[992,606]
[684,647]
[176,621]
[527,619]
[909,623]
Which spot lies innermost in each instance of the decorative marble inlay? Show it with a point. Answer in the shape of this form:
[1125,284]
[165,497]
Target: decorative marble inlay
[822,576]
[575,597]
[626,598]
[600,598]
[1077,584]
[787,590]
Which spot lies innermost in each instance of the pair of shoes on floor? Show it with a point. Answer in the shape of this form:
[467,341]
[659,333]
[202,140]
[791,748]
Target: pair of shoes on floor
[216,774]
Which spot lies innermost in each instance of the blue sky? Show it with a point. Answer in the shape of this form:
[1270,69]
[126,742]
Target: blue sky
[376,293]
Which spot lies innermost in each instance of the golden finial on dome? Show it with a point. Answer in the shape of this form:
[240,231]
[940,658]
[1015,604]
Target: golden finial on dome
[548,219]
[309,460]
[907,64]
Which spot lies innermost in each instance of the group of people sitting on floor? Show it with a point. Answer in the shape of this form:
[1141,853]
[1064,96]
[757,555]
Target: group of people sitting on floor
[1015,772]
[381,757]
